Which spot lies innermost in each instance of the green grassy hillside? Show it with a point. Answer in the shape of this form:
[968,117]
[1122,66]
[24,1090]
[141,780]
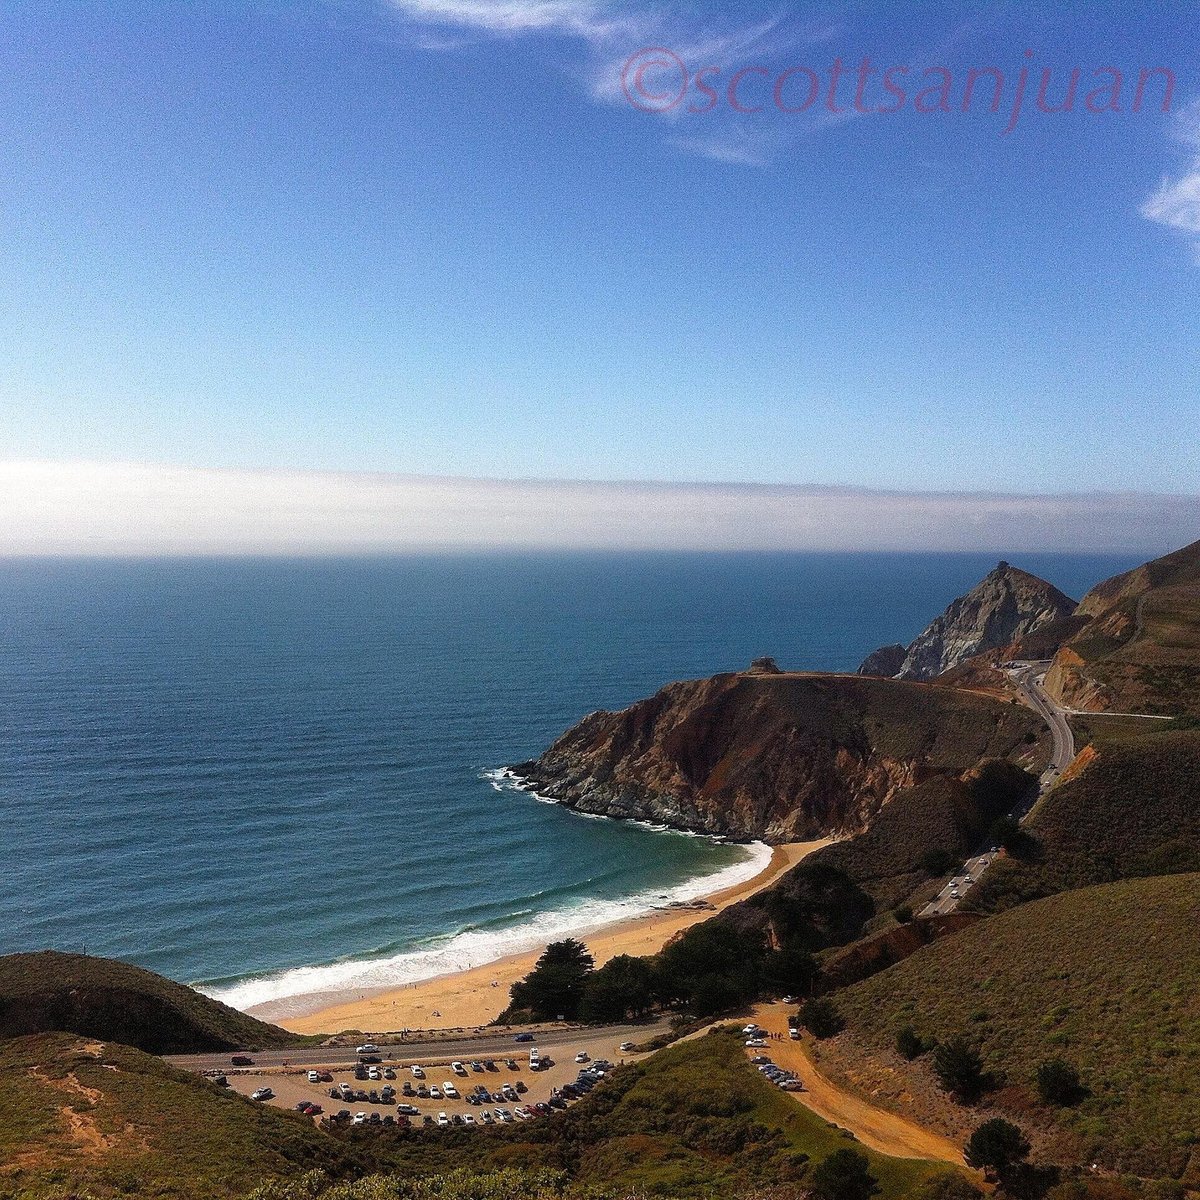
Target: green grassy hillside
[114,1001]
[694,1120]
[1130,810]
[1107,979]
[80,1117]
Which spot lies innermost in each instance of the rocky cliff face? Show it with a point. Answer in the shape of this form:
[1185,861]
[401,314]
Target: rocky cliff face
[781,757]
[1009,604]
[884,662]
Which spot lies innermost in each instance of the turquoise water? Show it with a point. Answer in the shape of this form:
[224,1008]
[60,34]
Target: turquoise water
[274,777]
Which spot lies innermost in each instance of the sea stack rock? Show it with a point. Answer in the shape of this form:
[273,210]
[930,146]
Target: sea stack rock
[1007,605]
[884,662]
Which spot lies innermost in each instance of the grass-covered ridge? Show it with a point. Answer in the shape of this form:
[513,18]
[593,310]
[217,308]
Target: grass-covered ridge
[103,1120]
[1105,978]
[113,1001]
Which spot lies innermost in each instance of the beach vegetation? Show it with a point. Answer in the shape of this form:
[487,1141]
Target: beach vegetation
[554,988]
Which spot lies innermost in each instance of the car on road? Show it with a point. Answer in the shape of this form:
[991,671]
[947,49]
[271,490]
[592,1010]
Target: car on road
[241,1060]
[367,1048]
[262,1094]
[523,1037]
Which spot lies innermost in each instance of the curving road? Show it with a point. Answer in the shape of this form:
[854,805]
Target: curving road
[481,1045]
[1028,679]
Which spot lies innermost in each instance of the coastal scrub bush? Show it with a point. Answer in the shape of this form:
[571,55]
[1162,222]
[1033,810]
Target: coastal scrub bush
[821,1018]
[844,1175]
[910,1044]
[1058,1082]
[997,1145]
[959,1068]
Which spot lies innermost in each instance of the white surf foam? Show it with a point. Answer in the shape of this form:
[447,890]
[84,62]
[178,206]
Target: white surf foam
[307,989]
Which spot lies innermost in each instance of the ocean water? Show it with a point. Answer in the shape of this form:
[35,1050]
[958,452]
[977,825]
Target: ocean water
[275,778]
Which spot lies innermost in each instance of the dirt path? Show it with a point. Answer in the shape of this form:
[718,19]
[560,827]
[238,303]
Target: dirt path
[875,1128]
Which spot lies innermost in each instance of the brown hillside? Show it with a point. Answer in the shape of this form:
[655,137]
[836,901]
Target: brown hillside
[1140,649]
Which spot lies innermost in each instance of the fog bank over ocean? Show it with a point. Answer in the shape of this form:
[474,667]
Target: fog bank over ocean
[53,508]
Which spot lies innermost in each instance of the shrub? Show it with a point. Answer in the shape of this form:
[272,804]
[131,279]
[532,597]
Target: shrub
[997,1144]
[909,1043]
[844,1175]
[1058,1082]
[821,1017]
[959,1068]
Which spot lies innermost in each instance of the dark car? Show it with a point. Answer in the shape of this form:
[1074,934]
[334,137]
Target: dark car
[543,1110]
[373,1096]
[523,1037]
[389,1073]
[360,1072]
[490,1065]
[242,1060]
[369,1058]
[558,1102]
[220,1080]
[342,1114]
[520,1086]
[511,1063]
[426,1120]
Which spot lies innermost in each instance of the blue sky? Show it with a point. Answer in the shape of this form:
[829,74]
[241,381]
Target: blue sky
[432,237]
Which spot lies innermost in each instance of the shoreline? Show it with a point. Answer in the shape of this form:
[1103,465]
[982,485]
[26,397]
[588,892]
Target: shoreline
[474,997]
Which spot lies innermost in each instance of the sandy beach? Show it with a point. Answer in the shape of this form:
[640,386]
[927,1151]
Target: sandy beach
[469,999]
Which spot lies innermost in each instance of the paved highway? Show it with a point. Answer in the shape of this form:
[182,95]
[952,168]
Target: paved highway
[482,1045]
[1027,678]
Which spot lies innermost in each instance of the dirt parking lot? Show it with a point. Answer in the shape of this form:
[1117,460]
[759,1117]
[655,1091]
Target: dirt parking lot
[291,1085]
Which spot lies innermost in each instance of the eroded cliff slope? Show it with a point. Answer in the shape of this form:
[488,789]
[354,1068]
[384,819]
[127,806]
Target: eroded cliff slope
[781,757]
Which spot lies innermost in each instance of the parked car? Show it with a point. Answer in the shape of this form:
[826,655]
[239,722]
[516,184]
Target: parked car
[625,1047]
[417,1072]
[360,1118]
[449,1091]
[262,1094]
[219,1080]
[458,1068]
[442,1119]
[314,1077]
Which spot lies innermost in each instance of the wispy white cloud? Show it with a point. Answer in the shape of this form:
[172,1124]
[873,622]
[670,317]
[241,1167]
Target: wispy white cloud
[113,510]
[607,32]
[1175,203]
[574,18]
